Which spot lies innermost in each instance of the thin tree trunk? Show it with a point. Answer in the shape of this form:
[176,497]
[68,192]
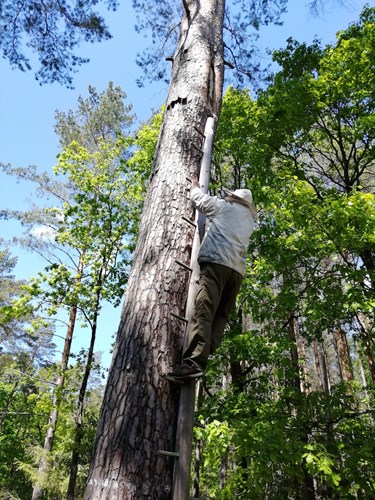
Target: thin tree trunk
[320,367]
[56,398]
[304,374]
[223,470]
[296,379]
[325,368]
[197,461]
[138,416]
[238,378]
[78,432]
[362,374]
[198,444]
[317,364]
[365,327]
[369,348]
[305,490]
[368,258]
[343,355]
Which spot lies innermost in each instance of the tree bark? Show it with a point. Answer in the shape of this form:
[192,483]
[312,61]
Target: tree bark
[369,348]
[197,461]
[320,368]
[368,258]
[365,327]
[296,379]
[304,490]
[138,416]
[343,355]
[362,374]
[326,368]
[304,373]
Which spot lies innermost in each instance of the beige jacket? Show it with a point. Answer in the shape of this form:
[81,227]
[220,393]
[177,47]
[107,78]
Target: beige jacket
[228,232]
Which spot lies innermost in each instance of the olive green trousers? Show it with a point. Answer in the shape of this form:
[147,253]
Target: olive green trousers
[215,300]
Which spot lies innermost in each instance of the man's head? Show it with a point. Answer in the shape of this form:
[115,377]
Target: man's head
[243,196]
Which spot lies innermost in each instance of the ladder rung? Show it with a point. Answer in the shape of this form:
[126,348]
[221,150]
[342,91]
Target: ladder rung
[180,317]
[168,453]
[198,424]
[189,221]
[199,131]
[196,147]
[185,266]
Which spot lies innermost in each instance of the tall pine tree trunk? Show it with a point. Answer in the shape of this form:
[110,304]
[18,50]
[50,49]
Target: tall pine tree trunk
[138,416]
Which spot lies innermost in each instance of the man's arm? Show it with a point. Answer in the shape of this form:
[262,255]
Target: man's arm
[203,202]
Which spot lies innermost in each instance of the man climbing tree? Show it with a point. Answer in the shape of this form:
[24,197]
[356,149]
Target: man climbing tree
[222,260]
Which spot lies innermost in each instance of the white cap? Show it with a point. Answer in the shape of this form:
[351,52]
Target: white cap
[245,197]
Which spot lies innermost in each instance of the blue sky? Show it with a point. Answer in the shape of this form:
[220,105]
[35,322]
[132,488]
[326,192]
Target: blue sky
[28,109]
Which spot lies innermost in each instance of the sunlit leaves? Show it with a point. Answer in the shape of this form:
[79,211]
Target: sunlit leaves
[308,156]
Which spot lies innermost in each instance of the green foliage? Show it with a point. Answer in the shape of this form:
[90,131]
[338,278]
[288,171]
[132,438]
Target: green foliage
[51,31]
[96,227]
[25,405]
[100,116]
[90,234]
[305,148]
[24,408]
[21,329]
[216,437]
[141,161]
[273,446]
[233,138]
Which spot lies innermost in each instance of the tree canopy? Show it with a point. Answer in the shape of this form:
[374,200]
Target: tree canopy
[52,31]
[161,21]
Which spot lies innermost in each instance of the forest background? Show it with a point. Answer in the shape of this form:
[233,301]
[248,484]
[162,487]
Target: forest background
[30,108]
[23,388]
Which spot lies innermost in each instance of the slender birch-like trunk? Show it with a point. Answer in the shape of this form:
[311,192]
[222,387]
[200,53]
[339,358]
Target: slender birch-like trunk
[79,431]
[60,381]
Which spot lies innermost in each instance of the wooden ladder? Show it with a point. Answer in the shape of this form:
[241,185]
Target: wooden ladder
[185,420]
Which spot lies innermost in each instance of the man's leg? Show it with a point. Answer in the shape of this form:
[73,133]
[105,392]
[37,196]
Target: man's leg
[212,282]
[224,309]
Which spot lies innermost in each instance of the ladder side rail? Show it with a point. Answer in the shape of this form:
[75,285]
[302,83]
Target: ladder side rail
[185,421]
